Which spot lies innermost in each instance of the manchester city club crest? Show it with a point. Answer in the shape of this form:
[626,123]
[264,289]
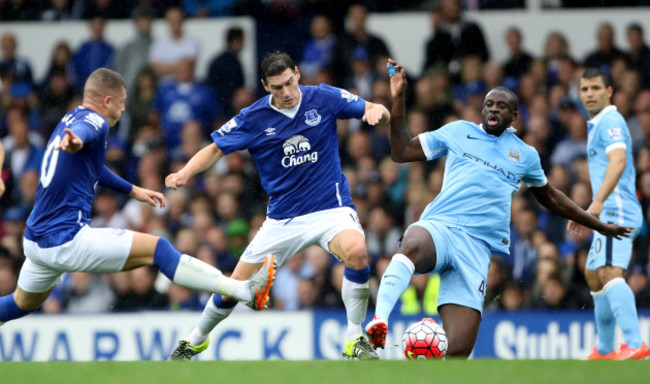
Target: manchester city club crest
[312,118]
[514,156]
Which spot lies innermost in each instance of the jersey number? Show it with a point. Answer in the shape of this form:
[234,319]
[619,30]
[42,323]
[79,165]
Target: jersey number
[49,162]
[481,288]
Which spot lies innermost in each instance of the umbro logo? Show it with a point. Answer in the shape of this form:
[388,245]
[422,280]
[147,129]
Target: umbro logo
[270,131]
[473,138]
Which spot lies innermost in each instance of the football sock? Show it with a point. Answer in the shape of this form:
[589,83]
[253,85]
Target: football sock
[394,282]
[193,273]
[621,299]
[355,291]
[215,311]
[605,322]
[9,310]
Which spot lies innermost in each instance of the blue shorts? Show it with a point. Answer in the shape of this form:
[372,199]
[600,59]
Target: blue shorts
[462,262]
[608,251]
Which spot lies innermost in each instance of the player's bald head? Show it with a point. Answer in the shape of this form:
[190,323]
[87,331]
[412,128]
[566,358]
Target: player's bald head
[102,82]
[510,96]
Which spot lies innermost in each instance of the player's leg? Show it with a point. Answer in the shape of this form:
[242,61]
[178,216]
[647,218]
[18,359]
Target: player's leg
[35,283]
[416,253]
[275,237]
[461,325]
[604,318]
[192,273]
[623,306]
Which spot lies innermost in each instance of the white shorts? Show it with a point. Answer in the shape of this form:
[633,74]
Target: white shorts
[285,238]
[99,250]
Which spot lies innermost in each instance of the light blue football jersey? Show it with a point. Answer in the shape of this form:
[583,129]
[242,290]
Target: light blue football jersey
[482,172]
[67,181]
[297,157]
[608,131]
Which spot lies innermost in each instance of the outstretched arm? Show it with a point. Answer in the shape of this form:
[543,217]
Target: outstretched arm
[70,142]
[559,203]
[203,160]
[403,147]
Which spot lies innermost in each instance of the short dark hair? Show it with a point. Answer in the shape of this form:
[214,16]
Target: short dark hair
[514,100]
[275,63]
[590,73]
[636,27]
[233,34]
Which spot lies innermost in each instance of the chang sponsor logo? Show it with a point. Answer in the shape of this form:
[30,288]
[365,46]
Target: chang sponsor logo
[296,151]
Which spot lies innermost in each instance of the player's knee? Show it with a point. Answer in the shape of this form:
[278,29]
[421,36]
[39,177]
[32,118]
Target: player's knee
[355,254]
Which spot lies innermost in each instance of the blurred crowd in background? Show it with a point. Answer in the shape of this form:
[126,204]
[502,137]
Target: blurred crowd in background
[170,114]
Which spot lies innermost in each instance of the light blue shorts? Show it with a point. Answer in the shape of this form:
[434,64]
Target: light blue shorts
[462,262]
[608,251]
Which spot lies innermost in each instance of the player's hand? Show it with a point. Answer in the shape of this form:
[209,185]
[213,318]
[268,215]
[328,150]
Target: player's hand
[595,208]
[374,114]
[70,142]
[176,180]
[579,232]
[398,80]
[148,196]
[616,231]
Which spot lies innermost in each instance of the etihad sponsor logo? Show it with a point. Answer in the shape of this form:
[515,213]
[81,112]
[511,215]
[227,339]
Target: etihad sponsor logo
[507,174]
[296,151]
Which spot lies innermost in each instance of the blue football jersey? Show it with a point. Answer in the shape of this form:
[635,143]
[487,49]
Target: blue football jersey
[608,131]
[67,181]
[297,157]
[482,172]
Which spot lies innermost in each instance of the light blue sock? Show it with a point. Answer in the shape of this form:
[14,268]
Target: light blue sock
[605,322]
[621,299]
[396,279]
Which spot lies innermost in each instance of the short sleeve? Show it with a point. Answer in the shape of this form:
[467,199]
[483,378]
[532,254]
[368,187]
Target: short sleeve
[435,143]
[344,104]
[535,176]
[613,134]
[232,136]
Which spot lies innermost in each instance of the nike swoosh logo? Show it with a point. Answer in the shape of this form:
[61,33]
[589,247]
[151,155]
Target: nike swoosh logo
[411,355]
[473,138]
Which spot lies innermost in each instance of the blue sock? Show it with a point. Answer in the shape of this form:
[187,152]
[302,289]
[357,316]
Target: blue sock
[358,276]
[621,299]
[9,310]
[605,322]
[220,303]
[394,282]
[166,258]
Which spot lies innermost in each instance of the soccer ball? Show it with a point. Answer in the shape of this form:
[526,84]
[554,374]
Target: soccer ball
[424,340]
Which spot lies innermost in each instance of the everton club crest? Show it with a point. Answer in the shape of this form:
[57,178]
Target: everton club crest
[312,118]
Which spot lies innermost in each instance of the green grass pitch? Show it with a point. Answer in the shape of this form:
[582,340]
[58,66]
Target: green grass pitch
[330,372]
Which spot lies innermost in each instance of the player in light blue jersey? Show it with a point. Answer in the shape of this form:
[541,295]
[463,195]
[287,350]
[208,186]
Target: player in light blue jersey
[470,219]
[58,238]
[613,182]
[291,135]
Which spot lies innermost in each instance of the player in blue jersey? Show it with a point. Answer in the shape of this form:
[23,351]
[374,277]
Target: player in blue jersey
[470,219]
[58,238]
[291,135]
[613,182]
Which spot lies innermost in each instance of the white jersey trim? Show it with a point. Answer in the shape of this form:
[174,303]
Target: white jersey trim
[288,112]
[425,147]
[619,145]
[537,185]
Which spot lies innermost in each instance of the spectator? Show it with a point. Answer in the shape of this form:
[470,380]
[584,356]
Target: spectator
[12,66]
[61,61]
[60,10]
[84,292]
[574,145]
[183,98]
[317,51]
[134,55]
[454,39]
[606,52]
[92,54]
[228,62]
[140,292]
[167,52]
[519,60]
[208,8]
[356,36]
[639,53]
[107,213]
